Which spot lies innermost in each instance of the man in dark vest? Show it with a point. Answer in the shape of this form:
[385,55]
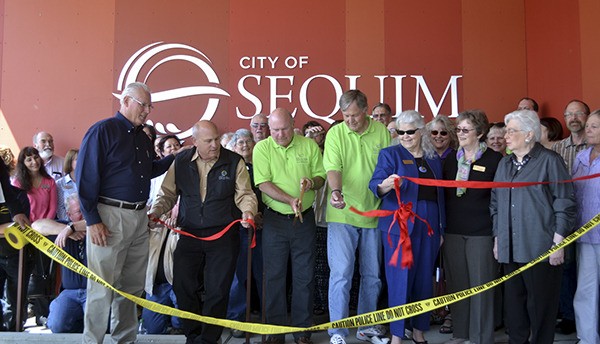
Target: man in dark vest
[213,188]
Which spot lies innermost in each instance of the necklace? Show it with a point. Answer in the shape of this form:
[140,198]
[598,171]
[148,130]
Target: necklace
[422,167]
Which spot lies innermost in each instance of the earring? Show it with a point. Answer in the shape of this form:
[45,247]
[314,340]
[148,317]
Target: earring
[527,140]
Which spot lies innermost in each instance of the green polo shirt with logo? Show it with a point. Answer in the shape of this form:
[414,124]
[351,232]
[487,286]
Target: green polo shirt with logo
[285,166]
[355,156]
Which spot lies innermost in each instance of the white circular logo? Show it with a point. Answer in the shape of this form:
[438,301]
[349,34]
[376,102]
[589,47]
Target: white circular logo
[131,73]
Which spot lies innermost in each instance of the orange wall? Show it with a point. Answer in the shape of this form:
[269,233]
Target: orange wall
[61,60]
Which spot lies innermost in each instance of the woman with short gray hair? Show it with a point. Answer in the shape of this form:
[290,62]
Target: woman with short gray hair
[413,157]
[527,221]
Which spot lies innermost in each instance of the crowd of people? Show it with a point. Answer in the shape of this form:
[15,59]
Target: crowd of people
[111,202]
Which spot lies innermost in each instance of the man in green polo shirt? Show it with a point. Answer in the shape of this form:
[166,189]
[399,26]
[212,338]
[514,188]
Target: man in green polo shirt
[351,151]
[286,167]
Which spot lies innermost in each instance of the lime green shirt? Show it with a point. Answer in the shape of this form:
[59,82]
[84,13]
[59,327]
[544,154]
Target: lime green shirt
[355,156]
[285,166]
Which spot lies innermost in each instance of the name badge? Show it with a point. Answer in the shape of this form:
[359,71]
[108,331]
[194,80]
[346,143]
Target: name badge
[408,162]
[478,168]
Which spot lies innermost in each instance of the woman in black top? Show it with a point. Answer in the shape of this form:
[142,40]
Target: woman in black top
[468,241]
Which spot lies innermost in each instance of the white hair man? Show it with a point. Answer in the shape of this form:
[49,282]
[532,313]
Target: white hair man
[44,143]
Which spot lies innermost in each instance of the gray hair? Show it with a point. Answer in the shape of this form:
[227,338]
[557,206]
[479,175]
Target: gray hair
[240,133]
[259,115]
[131,88]
[352,96]
[415,118]
[530,122]
[478,120]
[448,125]
[71,197]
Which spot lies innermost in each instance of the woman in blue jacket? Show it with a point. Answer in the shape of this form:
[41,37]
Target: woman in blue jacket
[414,157]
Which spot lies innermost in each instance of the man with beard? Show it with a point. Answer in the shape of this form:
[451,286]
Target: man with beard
[576,114]
[44,143]
[259,127]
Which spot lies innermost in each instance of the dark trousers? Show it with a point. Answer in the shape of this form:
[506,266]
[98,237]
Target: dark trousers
[282,239]
[204,266]
[531,300]
[9,272]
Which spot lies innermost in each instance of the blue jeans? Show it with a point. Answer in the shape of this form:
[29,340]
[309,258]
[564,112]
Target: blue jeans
[342,242]
[66,311]
[236,309]
[156,323]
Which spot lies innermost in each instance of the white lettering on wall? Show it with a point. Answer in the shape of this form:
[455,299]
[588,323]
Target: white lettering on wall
[435,108]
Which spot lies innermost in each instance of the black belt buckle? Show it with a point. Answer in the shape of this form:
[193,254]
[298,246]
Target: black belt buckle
[290,216]
[122,204]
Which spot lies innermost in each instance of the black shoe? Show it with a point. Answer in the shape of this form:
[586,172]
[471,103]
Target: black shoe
[566,326]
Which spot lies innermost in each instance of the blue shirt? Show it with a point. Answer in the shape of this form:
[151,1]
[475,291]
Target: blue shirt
[69,278]
[65,187]
[116,160]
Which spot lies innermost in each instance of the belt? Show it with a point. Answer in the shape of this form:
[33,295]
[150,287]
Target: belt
[289,216]
[122,204]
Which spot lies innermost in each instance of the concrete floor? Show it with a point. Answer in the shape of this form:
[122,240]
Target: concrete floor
[34,334]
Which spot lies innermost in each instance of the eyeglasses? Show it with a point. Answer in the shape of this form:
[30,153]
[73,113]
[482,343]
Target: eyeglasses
[244,143]
[379,115]
[463,130]
[511,131]
[256,125]
[435,133]
[144,105]
[576,113]
[407,132]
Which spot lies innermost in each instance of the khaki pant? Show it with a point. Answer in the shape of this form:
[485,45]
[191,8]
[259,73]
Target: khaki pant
[122,263]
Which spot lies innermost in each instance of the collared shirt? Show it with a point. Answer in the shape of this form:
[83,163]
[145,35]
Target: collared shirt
[525,219]
[245,199]
[587,193]
[355,156]
[285,166]
[65,187]
[116,160]
[568,150]
[54,167]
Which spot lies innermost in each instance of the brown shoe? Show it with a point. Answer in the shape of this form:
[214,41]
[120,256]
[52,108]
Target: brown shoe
[274,340]
[303,340]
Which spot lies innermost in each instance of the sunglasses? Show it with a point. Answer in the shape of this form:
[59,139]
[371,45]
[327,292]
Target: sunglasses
[464,130]
[407,132]
[435,133]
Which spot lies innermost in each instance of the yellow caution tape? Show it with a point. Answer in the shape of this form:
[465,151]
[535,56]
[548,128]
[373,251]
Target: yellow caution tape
[18,237]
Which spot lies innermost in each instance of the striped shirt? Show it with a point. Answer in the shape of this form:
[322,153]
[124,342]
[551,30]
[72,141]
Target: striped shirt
[568,150]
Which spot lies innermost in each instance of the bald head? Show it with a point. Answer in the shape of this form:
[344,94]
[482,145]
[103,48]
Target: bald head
[206,139]
[281,125]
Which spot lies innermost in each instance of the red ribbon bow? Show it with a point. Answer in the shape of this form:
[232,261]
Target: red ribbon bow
[402,215]
[212,237]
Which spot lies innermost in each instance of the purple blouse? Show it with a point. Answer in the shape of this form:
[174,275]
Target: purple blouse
[586,193]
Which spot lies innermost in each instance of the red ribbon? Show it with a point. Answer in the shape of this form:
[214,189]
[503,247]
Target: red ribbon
[488,185]
[402,215]
[212,237]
